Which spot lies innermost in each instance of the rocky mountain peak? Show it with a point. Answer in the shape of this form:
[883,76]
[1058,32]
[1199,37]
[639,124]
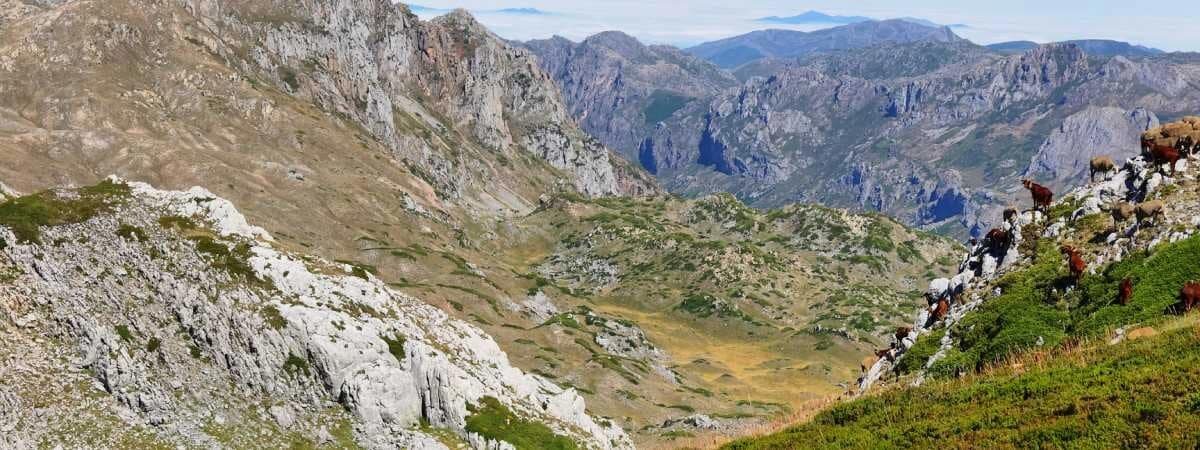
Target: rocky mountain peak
[463,21]
[619,42]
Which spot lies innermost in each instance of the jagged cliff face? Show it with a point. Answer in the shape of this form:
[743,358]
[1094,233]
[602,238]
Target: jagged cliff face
[450,101]
[619,89]
[191,320]
[933,132]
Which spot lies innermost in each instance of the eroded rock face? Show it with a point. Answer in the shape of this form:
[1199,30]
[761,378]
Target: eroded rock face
[1063,159]
[230,316]
[378,63]
[938,135]
[619,89]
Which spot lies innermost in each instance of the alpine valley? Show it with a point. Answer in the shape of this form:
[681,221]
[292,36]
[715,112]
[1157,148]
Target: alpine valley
[332,224]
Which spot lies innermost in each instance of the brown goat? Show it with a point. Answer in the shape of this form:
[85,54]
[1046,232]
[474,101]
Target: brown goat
[1165,154]
[998,241]
[870,361]
[1075,262]
[1102,164]
[902,332]
[1147,144]
[1122,212]
[943,308]
[1125,292]
[1150,210]
[1042,196]
[1189,295]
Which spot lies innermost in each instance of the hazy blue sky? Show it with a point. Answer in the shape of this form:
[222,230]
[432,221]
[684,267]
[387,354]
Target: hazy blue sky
[1169,25]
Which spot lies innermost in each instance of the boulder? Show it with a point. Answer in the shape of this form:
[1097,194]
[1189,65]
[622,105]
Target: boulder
[989,266]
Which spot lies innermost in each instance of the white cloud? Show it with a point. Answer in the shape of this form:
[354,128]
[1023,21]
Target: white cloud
[688,22]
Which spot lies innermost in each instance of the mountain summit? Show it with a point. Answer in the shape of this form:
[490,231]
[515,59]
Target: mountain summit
[738,50]
[814,17]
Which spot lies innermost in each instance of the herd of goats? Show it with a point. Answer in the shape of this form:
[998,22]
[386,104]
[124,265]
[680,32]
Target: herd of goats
[998,241]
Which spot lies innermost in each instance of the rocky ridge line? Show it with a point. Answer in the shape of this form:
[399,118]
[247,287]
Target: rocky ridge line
[284,327]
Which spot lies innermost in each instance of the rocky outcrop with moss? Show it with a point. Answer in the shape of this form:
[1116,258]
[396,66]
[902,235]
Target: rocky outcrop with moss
[180,324]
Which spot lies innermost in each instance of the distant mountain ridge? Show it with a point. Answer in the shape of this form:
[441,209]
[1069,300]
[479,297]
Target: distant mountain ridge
[924,130]
[817,17]
[738,50]
[814,17]
[1094,47]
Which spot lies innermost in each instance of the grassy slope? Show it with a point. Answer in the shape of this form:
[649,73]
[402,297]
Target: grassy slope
[1035,304]
[1136,394]
[1072,394]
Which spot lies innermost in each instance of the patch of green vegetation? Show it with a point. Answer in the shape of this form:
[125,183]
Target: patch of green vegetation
[918,355]
[272,316]
[662,105]
[288,76]
[1063,209]
[395,346]
[295,364]
[492,420]
[684,408]
[360,270]
[9,274]
[566,320]
[124,333]
[177,223]
[1157,279]
[1134,394]
[461,266]
[1025,313]
[153,345]
[611,363]
[704,305]
[26,215]
[132,233]
[235,261]
[676,434]
[908,253]
[250,429]
[879,237]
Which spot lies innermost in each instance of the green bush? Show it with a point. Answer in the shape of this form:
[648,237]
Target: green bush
[295,364]
[234,261]
[26,215]
[132,233]
[492,420]
[273,317]
[395,346]
[124,333]
[918,355]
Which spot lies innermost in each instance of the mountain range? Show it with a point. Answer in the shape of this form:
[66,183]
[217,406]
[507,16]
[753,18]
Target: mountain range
[1094,47]
[889,116]
[735,51]
[820,18]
